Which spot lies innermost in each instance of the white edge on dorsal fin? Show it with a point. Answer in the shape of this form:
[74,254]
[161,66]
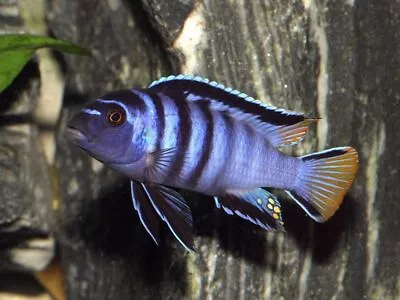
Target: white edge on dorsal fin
[240,115]
[226,89]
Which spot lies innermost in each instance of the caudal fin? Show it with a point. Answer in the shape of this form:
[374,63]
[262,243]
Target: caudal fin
[323,180]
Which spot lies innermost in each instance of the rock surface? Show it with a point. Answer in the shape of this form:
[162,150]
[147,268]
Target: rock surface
[335,60]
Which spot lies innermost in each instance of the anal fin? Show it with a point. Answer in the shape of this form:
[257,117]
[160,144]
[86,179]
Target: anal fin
[258,206]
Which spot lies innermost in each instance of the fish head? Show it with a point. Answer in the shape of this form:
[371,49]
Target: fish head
[110,129]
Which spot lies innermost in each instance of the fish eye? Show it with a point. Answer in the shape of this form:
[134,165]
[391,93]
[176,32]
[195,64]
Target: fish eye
[116,116]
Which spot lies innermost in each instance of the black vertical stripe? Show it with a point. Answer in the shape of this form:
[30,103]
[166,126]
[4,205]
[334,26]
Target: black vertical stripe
[230,147]
[128,97]
[160,118]
[206,147]
[140,105]
[182,140]
[249,141]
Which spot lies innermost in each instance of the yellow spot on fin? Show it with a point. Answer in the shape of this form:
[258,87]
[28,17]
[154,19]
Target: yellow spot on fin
[243,203]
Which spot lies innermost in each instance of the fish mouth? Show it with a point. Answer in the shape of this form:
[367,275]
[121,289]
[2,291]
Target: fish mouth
[75,135]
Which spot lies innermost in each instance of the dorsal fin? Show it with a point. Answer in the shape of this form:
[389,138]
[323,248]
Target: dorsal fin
[281,127]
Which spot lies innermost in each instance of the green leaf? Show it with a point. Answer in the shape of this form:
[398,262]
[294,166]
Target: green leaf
[17,49]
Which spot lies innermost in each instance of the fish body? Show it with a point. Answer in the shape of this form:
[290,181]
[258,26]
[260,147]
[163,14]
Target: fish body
[201,150]
[187,132]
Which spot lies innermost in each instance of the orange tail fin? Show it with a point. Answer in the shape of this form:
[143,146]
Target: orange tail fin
[323,180]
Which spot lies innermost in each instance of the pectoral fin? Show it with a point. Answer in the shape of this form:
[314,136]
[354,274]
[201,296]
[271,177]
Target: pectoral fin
[173,210]
[258,206]
[159,164]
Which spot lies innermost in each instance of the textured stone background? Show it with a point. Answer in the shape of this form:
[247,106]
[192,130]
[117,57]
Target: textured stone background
[337,60]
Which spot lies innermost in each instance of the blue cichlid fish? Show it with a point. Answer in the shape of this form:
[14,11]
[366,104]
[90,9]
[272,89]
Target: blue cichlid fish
[191,133]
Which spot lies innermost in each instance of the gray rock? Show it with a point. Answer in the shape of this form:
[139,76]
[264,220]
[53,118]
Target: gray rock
[101,240]
[168,16]
[334,60]
[26,195]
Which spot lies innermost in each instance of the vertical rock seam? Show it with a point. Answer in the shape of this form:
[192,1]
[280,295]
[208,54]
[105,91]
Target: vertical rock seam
[192,40]
[318,30]
[375,152]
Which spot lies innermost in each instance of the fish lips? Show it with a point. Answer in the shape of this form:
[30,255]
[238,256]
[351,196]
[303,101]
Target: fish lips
[77,131]
[75,135]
